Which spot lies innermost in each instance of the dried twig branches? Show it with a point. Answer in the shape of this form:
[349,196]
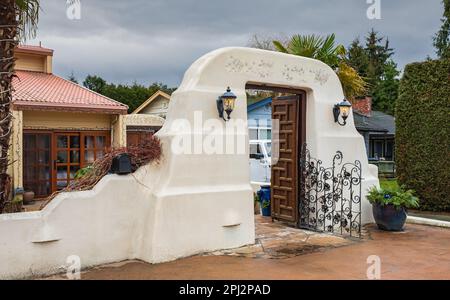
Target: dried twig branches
[149,150]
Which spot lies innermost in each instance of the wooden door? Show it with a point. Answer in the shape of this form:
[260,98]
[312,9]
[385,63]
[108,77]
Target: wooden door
[51,159]
[75,150]
[37,162]
[284,177]
[66,158]
[135,138]
[136,135]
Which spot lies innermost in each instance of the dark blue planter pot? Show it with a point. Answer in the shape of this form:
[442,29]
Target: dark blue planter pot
[266,211]
[388,217]
[264,197]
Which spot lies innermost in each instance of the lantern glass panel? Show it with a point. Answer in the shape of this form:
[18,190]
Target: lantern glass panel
[345,111]
[228,104]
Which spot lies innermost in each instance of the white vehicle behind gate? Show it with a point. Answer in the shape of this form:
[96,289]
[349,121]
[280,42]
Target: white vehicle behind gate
[260,160]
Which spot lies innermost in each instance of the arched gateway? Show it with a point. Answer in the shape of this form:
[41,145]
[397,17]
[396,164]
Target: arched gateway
[189,202]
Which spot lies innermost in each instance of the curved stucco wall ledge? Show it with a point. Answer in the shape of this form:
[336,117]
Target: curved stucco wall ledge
[187,203]
[99,226]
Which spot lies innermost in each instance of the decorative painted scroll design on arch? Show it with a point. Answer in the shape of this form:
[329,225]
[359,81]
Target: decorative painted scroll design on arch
[299,74]
[260,67]
[293,72]
[264,69]
[320,76]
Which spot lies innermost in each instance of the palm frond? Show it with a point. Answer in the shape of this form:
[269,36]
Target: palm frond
[329,53]
[328,47]
[307,46]
[279,46]
[341,51]
[326,50]
[28,16]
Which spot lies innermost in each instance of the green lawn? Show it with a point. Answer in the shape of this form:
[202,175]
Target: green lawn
[390,184]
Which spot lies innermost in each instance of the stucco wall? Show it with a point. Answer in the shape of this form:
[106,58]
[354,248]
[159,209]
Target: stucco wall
[66,120]
[98,226]
[143,120]
[33,62]
[121,218]
[188,203]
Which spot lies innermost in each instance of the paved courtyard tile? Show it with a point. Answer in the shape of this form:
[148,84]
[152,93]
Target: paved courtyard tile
[280,252]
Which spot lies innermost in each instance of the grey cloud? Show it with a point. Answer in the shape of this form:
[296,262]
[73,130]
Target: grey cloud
[146,41]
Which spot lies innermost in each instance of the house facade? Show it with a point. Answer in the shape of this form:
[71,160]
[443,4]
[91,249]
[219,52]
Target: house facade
[58,126]
[259,115]
[156,105]
[153,111]
[377,128]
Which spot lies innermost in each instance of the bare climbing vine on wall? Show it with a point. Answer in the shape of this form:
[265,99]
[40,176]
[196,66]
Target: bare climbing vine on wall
[148,150]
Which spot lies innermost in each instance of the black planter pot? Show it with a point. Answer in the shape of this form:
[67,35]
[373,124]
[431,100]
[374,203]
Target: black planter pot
[388,217]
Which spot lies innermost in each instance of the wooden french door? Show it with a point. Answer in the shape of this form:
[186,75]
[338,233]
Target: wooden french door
[290,112]
[51,159]
[37,162]
[76,150]
[66,158]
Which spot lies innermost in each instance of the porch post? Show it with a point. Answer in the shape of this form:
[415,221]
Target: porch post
[16,150]
[119,134]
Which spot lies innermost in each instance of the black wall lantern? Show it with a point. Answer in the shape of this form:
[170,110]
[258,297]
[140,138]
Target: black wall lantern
[343,109]
[226,103]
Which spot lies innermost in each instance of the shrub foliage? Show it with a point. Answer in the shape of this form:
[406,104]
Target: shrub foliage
[422,132]
[397,198]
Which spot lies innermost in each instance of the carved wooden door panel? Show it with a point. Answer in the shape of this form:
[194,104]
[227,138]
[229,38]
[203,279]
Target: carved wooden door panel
[284,177]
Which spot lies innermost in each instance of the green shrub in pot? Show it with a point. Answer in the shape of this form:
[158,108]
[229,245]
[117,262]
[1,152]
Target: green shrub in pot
[389,207]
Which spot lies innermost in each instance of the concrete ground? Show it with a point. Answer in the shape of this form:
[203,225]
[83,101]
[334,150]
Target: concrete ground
[443,216]
[420,252]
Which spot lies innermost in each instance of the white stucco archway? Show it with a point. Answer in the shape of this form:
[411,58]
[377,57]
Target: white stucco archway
[227,194]
[188,203]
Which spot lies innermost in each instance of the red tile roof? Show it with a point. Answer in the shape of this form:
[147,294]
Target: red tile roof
[35,90]
[33,49]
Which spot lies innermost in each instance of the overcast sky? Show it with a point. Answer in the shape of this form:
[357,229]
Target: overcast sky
[157,40]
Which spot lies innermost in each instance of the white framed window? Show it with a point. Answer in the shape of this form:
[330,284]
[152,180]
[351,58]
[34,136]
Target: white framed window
[260,133]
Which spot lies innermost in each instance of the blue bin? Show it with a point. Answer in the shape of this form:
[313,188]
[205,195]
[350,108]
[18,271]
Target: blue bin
[264,200]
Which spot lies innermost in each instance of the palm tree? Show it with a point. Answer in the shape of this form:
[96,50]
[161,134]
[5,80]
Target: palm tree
[18,20]
[326,50]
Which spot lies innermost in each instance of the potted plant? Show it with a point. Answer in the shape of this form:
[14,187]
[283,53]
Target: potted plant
[257,208]
[389,207]
[28,197]
[265,208]
[264,200]
[83,171]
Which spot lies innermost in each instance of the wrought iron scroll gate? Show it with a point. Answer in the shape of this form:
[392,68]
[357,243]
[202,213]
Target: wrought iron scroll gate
[330,198]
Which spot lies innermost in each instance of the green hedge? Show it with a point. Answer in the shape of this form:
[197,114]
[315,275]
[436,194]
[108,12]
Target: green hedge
[422,133]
